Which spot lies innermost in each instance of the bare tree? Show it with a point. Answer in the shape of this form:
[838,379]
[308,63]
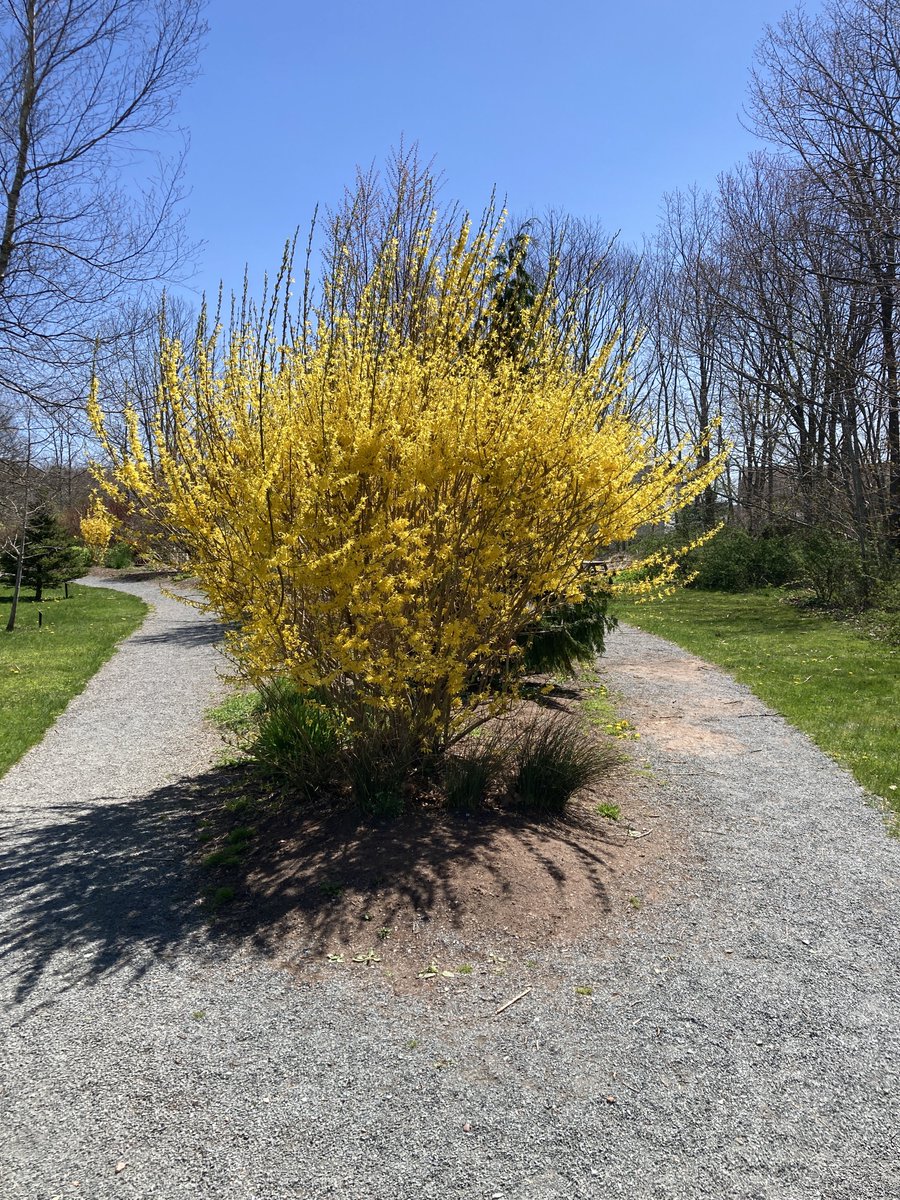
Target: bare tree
[597,284]
[686,318]
[385,211]
[828,89]
[86,89]
[88,209]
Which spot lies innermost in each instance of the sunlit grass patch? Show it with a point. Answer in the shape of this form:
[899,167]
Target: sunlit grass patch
[41,669]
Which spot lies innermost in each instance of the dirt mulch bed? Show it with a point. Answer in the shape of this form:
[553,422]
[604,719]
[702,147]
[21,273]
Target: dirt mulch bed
[131,574]
[434,894]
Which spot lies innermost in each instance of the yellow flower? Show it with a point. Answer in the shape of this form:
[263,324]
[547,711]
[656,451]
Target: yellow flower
[381,508]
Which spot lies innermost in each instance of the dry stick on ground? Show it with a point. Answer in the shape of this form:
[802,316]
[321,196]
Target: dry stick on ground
[515,1000]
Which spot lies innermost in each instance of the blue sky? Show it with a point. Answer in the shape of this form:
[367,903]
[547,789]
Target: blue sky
[597,108]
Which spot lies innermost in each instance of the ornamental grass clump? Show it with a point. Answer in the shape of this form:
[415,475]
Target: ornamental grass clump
[298,737]
[551,760]
[476,768]
[384,501]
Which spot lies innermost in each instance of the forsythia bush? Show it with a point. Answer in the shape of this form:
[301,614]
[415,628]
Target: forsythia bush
[380,507]
[97,528]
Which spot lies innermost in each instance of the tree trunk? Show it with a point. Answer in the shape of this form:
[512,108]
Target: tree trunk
[17,586]
[893,411]
[20,565]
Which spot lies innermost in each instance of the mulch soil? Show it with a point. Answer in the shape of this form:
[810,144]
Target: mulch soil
[431,891]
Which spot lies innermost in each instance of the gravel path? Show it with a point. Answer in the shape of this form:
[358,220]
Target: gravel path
[741,1039]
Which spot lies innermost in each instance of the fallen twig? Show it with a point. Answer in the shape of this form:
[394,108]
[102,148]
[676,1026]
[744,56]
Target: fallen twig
[515,1000]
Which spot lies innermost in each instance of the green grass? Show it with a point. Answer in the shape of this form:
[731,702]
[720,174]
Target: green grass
[612,812]
[840,688]
[41,670]
[238,714]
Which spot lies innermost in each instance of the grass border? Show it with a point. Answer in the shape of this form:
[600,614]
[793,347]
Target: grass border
[42,669]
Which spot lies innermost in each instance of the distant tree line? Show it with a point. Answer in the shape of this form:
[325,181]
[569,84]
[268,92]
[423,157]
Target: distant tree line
[768,304]
[771,303]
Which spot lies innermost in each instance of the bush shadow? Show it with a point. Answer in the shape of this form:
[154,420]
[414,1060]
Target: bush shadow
[98,889]
[187,635]
[115,887]
[329,876]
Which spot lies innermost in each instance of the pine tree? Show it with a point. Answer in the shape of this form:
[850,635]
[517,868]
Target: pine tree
[51,557]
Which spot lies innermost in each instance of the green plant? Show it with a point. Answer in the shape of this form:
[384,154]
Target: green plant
[472,772]
[369,957]
[229,758]
[464,969]
[612,812]
[621,728]
[551,760]
[227,856]
[568,635]
[222,895]
[584,990]
[50,557]
[736,561]
[299,737]
[238,714]
[379,759]
[239,804]
[383,806]
[241,835]
[597,705]
[831,567]
[118,556]
[882,621]
[731,561]
[81,560]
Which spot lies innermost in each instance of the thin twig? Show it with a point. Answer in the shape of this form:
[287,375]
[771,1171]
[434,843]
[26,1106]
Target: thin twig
[515,1000]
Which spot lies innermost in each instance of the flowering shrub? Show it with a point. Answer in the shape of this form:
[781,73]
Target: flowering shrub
[381,507]
[97,528]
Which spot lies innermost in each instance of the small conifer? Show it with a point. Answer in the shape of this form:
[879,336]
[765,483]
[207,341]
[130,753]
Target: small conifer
[51,557]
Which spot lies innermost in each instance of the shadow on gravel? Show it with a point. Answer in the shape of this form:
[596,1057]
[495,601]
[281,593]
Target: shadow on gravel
[203,632]
[108,883]
[111,888]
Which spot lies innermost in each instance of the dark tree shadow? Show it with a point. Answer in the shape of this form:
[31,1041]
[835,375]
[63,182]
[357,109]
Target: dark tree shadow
[424,863]
[101,576]
[109,882]
[187,634]
[113,887]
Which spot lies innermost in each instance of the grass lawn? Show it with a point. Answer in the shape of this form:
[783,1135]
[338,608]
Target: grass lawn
[41,670]
[840,688]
